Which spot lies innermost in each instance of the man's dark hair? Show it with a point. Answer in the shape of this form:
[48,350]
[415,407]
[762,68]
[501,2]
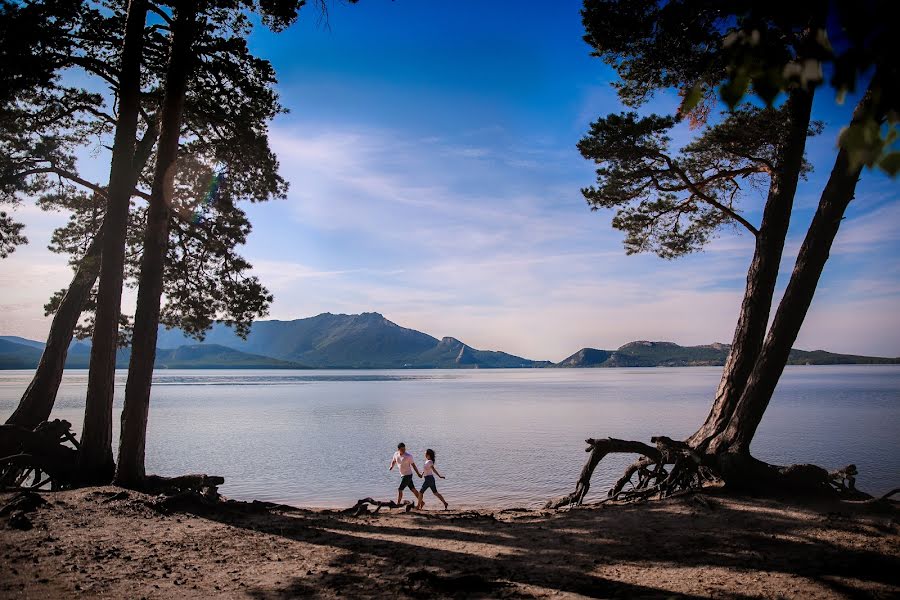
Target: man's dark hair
[401,445]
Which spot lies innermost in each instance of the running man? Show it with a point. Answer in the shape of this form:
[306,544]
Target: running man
[407,465]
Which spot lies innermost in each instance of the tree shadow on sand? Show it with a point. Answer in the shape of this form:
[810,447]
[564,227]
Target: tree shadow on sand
[470,554]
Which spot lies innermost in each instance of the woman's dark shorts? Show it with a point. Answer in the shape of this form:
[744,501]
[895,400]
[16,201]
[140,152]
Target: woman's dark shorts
[428,483]
[406,482]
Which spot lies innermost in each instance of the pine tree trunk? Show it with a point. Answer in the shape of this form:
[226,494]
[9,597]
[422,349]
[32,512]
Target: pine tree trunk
[763,272]
[95,456]
[130,469]
[37,402]
[795,303]
[38,399]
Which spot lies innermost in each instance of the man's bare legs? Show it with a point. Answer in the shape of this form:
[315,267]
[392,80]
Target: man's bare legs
[419,497]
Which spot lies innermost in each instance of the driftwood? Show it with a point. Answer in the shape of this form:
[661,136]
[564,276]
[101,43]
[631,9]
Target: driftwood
[155,484]
[362,507]
[184,491]
[46,455]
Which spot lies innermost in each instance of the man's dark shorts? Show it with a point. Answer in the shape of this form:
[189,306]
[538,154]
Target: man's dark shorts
[429,483]
[406,482]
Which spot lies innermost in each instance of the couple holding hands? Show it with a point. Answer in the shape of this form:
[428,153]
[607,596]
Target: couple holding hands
[407,465]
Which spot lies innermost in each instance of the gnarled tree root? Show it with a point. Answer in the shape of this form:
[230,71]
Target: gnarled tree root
[670,466]
[34,458]
[653,478]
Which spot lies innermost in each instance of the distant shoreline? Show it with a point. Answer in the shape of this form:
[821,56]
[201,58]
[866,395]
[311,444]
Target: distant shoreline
[892,362]
[370,341]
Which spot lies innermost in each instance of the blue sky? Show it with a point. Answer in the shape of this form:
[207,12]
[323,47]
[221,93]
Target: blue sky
[434,178]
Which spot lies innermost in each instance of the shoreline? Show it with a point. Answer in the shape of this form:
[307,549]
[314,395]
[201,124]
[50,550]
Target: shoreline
[453,369]
[103,542]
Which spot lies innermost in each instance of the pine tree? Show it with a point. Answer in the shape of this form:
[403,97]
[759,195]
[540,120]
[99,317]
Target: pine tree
[672,203]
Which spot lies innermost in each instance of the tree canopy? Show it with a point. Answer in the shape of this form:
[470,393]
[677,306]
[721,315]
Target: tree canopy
[749,49]
[224,152]
[672,201]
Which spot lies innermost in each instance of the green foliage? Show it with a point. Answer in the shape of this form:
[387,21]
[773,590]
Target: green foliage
[869,143]
[672,203]
[655,45]
[224,155]
[31,35]
[42,122]
[10,235]
[749,48]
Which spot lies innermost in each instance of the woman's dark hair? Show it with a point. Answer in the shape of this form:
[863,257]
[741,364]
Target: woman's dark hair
[429,454]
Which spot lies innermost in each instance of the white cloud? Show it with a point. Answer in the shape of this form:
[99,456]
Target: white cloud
[869,230]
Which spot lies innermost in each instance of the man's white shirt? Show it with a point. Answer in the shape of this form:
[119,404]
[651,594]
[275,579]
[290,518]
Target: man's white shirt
[404,461]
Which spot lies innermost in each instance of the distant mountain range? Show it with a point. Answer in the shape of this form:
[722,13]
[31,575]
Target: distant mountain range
[27,353]
[668,354]
[370,341]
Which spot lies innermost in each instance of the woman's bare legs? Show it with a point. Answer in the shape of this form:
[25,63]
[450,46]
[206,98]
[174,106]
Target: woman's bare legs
[422,500]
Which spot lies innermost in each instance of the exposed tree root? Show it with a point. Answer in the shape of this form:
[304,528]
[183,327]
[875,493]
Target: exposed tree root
[653,478]
[672,466]
[33,459]
[47,457]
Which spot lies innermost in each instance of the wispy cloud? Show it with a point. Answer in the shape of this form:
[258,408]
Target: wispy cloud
[497,248]
[480,252]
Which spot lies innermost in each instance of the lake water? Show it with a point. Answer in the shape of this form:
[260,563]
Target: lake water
[503,437]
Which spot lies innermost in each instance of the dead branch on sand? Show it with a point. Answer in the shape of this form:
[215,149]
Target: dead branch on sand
[362,507]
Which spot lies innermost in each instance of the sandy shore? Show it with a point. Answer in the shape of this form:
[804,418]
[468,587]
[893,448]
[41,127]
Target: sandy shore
[90,543]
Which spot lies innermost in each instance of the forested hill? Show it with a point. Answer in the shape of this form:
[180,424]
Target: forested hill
[668,354]
[367,340]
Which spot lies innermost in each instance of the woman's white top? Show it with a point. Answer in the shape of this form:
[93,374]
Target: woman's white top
[429,468]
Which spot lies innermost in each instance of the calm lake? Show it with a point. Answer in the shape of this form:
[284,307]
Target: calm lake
[502,437]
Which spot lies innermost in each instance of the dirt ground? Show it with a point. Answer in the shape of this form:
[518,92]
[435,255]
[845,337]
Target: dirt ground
[95,544]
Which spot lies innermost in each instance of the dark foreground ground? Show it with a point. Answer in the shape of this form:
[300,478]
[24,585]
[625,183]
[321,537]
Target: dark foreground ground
[90,543]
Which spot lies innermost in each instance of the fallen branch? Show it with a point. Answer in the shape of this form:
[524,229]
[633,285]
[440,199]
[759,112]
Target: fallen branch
[889,494]
[362,507]
[184,491]
[156,484]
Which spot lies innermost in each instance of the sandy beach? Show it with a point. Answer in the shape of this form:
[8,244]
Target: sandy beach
[102,543]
